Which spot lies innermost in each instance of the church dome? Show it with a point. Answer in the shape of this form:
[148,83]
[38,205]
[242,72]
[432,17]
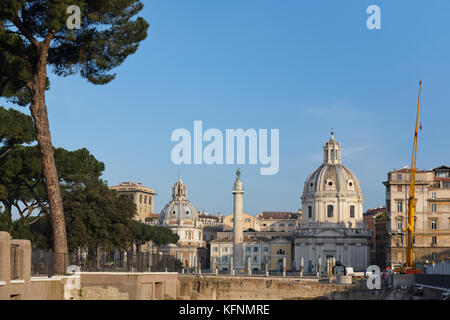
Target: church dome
[332,176]
[332,193]
[179,209]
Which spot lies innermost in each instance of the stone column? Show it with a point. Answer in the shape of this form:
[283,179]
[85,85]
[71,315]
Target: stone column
[333,264]
[238,233]
[249,266]
[267,266]
[319,267]
[231,266]
[284,266]
[328,267]
[216,269]
[301,267]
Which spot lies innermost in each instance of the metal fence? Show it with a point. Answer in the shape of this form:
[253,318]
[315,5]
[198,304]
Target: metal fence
[42,262]
[442,267]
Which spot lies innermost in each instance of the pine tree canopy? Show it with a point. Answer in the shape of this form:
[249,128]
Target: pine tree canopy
[109,33]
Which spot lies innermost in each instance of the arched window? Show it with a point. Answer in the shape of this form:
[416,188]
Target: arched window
[329,211]
[309,212]
[352,211]
[280,251]
[145,199]
[332,154]
[140,198]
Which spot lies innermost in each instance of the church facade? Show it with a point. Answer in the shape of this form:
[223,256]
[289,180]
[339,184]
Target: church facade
[331,225]
[182,218]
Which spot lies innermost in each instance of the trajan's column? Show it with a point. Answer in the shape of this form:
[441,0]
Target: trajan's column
[238,233]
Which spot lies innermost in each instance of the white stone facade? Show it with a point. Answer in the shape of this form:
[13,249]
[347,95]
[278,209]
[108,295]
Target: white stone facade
[332,216]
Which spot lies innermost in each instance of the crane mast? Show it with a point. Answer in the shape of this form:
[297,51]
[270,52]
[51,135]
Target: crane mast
[412,196]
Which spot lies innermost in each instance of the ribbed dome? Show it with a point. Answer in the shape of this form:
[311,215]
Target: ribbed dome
[176,210]
[332,193]
[179,208]
[332,177]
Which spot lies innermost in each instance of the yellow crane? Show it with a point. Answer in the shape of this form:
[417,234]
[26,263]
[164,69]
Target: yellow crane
[412,196]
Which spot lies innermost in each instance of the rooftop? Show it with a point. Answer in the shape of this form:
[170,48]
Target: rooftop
[278,215]
[247,239]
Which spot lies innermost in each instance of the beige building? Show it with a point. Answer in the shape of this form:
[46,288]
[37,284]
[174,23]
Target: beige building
[152,219]
[432,216]
[258,248]
[281,248]
[279,221]
[249,222]
[141,196]
[211,225]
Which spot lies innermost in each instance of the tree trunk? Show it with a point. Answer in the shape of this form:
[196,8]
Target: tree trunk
[39,113]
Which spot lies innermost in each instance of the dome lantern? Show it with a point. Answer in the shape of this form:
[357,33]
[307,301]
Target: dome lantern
[332,151]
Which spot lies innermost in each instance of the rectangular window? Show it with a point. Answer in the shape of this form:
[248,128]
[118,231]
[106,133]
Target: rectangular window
[216,249]
[433,225]
[434,256]
[433,207]
[434,240]
[330,211]
[248,249]
[281,224]
[399,188]
[399,177]
[309,212]
[400,241]
[255,249]
[433,195]
[400,206]
[255,259]
[247,220]
[266,249]
[442,174]
[352,211]
[225,249]
[399,226]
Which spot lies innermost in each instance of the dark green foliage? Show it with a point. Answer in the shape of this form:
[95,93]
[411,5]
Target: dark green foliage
[34,35]
[15,128]
[17,229]
[41,232]
[5,221]
[22,183]
[109,33]
[97,217]
[143,233]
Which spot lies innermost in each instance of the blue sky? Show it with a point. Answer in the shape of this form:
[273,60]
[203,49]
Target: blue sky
[302,67]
